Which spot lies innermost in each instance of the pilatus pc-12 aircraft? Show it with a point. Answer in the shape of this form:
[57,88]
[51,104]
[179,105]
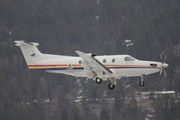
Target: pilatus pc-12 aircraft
[99,68]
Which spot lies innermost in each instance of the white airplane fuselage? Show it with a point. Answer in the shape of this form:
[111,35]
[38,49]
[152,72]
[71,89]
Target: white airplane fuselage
[99,68]
[121,68]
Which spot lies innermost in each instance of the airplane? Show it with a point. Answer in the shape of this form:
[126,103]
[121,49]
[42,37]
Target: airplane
[99,68]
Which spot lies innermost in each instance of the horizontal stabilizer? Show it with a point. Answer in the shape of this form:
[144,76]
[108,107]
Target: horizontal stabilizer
[24,43]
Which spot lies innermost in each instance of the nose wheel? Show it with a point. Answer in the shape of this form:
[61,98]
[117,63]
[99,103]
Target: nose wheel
[141,83]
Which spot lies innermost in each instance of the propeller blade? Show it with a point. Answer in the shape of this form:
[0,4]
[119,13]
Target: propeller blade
[160,71]
[161,56]
[164,73]
[165,58]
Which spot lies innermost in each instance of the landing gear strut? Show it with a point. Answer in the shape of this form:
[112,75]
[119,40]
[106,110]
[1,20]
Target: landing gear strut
[141,83]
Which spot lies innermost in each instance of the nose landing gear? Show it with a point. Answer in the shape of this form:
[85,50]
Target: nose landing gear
[141,83]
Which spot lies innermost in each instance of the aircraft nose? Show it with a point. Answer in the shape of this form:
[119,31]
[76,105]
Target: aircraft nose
[165,65]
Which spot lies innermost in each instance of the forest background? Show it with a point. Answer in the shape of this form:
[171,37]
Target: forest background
[97,26]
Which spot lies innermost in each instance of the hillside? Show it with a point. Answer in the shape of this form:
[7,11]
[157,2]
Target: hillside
[141,28]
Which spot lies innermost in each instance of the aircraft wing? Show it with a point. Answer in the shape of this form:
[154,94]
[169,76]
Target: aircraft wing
[92,64]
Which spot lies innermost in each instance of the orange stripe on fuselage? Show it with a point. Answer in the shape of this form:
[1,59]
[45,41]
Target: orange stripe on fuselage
[79,65]
[123,65]
[130,65]
[49,65]
[52,65]
[76,64]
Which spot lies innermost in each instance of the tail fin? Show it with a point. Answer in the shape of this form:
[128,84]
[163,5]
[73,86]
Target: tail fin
[33,56]
[30,51]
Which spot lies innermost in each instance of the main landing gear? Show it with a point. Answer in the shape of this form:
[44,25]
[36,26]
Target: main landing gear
[98,80]
[141,83]
[111,85]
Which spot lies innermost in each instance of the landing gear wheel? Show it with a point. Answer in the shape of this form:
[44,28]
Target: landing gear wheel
[111,86]
[98,80]
[141,83]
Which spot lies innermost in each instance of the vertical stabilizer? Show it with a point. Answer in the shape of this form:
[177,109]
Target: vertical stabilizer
[30,51]
[34,57]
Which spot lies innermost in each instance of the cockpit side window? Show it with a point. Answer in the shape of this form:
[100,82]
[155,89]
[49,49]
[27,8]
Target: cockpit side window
[129,58]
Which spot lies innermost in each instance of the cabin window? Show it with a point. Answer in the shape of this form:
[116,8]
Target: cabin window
[129,58]
[153,64]
[104,60]
[80,61]
[113,60]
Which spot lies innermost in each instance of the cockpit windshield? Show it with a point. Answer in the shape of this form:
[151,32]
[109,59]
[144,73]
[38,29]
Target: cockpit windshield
[129,58]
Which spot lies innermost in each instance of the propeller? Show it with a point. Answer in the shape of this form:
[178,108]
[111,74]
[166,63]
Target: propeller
[163,65]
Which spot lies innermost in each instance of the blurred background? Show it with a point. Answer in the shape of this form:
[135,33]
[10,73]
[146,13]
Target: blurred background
[140,28]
